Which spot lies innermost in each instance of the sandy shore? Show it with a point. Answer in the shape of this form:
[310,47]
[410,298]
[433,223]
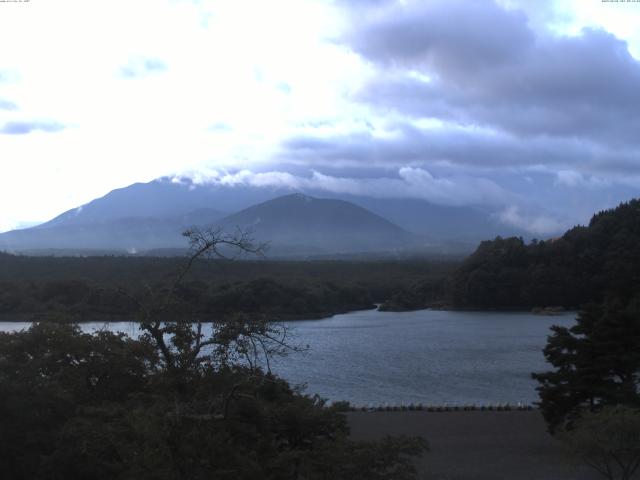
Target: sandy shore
[478,445]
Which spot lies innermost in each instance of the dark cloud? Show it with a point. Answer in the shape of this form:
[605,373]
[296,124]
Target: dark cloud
[452,37]
[141,67]
[506,94]
[568,86]
[7,105]
[476,103]
[23,128]
[469,148]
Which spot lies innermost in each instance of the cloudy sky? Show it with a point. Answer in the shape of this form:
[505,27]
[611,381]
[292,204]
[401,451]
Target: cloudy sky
[528,108]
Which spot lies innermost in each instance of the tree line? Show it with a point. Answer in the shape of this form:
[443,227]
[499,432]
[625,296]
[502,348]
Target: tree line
[90,288]
[586,264]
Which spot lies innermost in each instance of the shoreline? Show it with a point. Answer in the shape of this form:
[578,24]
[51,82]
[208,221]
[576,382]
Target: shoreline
[439,408]
[108,318]
[23,317]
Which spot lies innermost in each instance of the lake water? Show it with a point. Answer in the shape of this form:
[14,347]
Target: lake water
[427,356]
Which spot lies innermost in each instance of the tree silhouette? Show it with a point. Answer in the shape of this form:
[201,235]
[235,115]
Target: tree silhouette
[597,363]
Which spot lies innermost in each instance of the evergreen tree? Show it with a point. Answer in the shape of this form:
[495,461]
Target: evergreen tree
[597,363]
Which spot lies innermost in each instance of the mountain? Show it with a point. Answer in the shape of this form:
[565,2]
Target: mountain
[146,216]
[163,198]
[438,222]
[140,217]
[166,197]
[293,224]
[130,234]
[298,222]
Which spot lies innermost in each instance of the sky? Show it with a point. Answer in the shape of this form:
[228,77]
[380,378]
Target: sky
[528,109]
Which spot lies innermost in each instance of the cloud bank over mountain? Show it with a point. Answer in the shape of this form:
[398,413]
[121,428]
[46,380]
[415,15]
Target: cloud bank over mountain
[530,109]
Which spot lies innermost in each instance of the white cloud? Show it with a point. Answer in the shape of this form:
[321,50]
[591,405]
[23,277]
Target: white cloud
[536,224]
[571,178]
[411,182]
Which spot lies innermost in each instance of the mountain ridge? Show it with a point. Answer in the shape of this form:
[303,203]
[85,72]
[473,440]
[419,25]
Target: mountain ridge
[330,225]
[153,209]
[294,223]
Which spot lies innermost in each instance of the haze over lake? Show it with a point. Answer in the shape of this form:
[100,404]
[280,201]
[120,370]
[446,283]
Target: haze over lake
[427,356]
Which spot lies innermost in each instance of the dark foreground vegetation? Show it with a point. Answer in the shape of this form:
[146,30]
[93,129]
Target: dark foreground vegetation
[174,404]
[105,406]
[597,363]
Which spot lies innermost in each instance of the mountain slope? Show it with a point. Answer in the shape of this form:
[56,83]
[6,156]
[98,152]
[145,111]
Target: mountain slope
[151,215]
[327,225]
[438,222]
[131,234]
[169,197]
[162,198]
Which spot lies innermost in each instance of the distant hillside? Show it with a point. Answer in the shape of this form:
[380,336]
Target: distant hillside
[583,265]
[301,222]
[439,223]
[294,225]
[150,216]
[127,234]
[163,198]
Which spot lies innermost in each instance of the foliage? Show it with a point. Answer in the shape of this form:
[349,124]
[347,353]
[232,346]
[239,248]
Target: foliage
[76,405]
[586,264]
[88,288]
[608,441]
[428,293]
[48,374]
[597,363]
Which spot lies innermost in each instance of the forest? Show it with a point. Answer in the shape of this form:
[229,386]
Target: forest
[94,288]
[587,264]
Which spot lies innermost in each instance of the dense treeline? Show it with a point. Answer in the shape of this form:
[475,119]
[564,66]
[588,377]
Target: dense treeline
[587,264]
[105,406]
[86,288]
[427,293]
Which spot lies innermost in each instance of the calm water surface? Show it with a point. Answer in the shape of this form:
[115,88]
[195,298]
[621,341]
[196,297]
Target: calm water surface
[432,357]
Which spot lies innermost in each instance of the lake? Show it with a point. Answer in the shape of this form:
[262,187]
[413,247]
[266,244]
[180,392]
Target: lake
[430,357]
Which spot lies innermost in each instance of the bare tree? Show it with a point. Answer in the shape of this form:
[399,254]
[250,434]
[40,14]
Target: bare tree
[185,346]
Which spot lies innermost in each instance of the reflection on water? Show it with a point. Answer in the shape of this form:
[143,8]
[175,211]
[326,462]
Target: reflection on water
[430,357]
